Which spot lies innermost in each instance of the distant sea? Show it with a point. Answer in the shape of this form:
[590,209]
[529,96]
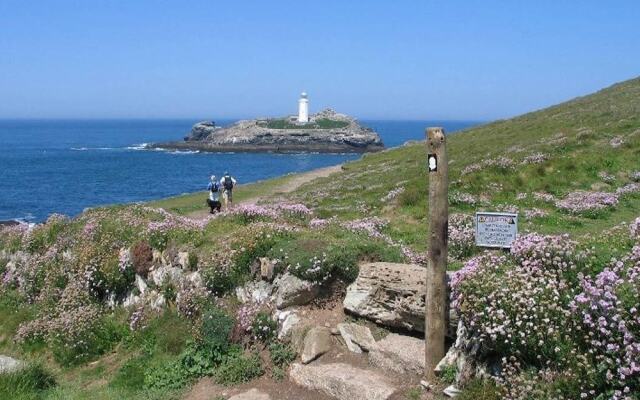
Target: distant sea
[65,166]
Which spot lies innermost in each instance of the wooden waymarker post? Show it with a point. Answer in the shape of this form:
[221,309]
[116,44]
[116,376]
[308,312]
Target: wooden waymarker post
[435,318]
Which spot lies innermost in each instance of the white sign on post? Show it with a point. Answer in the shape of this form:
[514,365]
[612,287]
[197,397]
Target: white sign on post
[495,229]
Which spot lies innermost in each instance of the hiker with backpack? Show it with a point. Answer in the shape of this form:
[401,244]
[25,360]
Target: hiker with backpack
[214,195]
[228,183]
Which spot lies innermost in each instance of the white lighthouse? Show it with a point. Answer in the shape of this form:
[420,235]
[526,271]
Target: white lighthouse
[303,108]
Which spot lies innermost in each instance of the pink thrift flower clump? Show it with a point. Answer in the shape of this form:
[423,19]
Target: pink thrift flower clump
[616,142]
[462,198]
[609,317]
[546,197]
[586,202]
[634,228]
[392,194]
[461,235]
[371,226]
[628,188]
[535,213]
[498,162]
[606,177]
[252,211]
[536,158]
[294,209]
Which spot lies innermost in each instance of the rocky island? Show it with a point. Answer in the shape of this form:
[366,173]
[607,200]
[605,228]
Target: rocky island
[324,132]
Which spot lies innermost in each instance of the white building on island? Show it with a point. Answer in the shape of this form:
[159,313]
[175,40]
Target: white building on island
[303,108]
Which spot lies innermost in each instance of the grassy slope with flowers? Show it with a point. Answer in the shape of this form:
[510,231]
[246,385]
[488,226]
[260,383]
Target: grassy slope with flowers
[569,169]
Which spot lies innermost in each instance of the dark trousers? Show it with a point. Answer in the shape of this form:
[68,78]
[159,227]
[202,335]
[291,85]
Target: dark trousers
[214,205]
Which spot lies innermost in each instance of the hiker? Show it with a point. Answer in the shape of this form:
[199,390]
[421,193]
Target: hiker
[228,183]
[214,195]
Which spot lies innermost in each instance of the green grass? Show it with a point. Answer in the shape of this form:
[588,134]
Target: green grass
[188,203]
[322,123]
[574,135]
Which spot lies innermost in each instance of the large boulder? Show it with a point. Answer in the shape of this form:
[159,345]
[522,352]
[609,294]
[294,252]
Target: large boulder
[392,295]
[399,353]
[358,338]
[316,343]
[293,291]
[343,381]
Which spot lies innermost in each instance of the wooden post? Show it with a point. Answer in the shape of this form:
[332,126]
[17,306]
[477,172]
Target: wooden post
[435,318]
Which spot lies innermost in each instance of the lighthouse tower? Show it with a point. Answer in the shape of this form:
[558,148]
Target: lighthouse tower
[303,108]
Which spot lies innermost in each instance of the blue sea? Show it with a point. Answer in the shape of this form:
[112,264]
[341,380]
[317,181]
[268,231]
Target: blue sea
[65,166]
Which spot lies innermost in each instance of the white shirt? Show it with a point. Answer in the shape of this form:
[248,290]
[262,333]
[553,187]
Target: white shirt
[214,196]
[222,182]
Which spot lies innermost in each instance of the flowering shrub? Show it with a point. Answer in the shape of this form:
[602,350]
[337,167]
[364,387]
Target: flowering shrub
[560,331]
[587,203]
[610,316]
[461,235]
[191,300]
[75,330]
[263,328]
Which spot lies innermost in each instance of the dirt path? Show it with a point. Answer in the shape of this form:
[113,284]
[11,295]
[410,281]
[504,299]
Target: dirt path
[289,186]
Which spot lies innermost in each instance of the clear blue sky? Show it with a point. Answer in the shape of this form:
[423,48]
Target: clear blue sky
[373,59]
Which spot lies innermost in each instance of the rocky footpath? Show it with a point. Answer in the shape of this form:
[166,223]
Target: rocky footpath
[342,359]
[326,132]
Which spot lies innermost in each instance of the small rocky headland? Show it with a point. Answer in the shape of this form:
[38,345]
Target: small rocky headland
[326,132]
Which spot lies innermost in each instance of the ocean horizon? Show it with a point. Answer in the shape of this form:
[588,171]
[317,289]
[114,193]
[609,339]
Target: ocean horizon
[67,165]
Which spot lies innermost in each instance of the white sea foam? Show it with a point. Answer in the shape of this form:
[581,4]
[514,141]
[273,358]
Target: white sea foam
[92,148]
[140,146]
[184,152]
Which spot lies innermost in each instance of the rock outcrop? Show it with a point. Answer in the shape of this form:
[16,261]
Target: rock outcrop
[326,132]
[358,338]
[399,353]
[316,343]
[292,291]
[391,295]
[343,381]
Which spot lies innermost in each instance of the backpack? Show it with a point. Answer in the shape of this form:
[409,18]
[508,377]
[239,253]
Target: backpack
[228,183]
[215,186]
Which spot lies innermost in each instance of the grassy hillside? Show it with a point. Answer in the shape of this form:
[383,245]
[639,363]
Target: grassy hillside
[570,169]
